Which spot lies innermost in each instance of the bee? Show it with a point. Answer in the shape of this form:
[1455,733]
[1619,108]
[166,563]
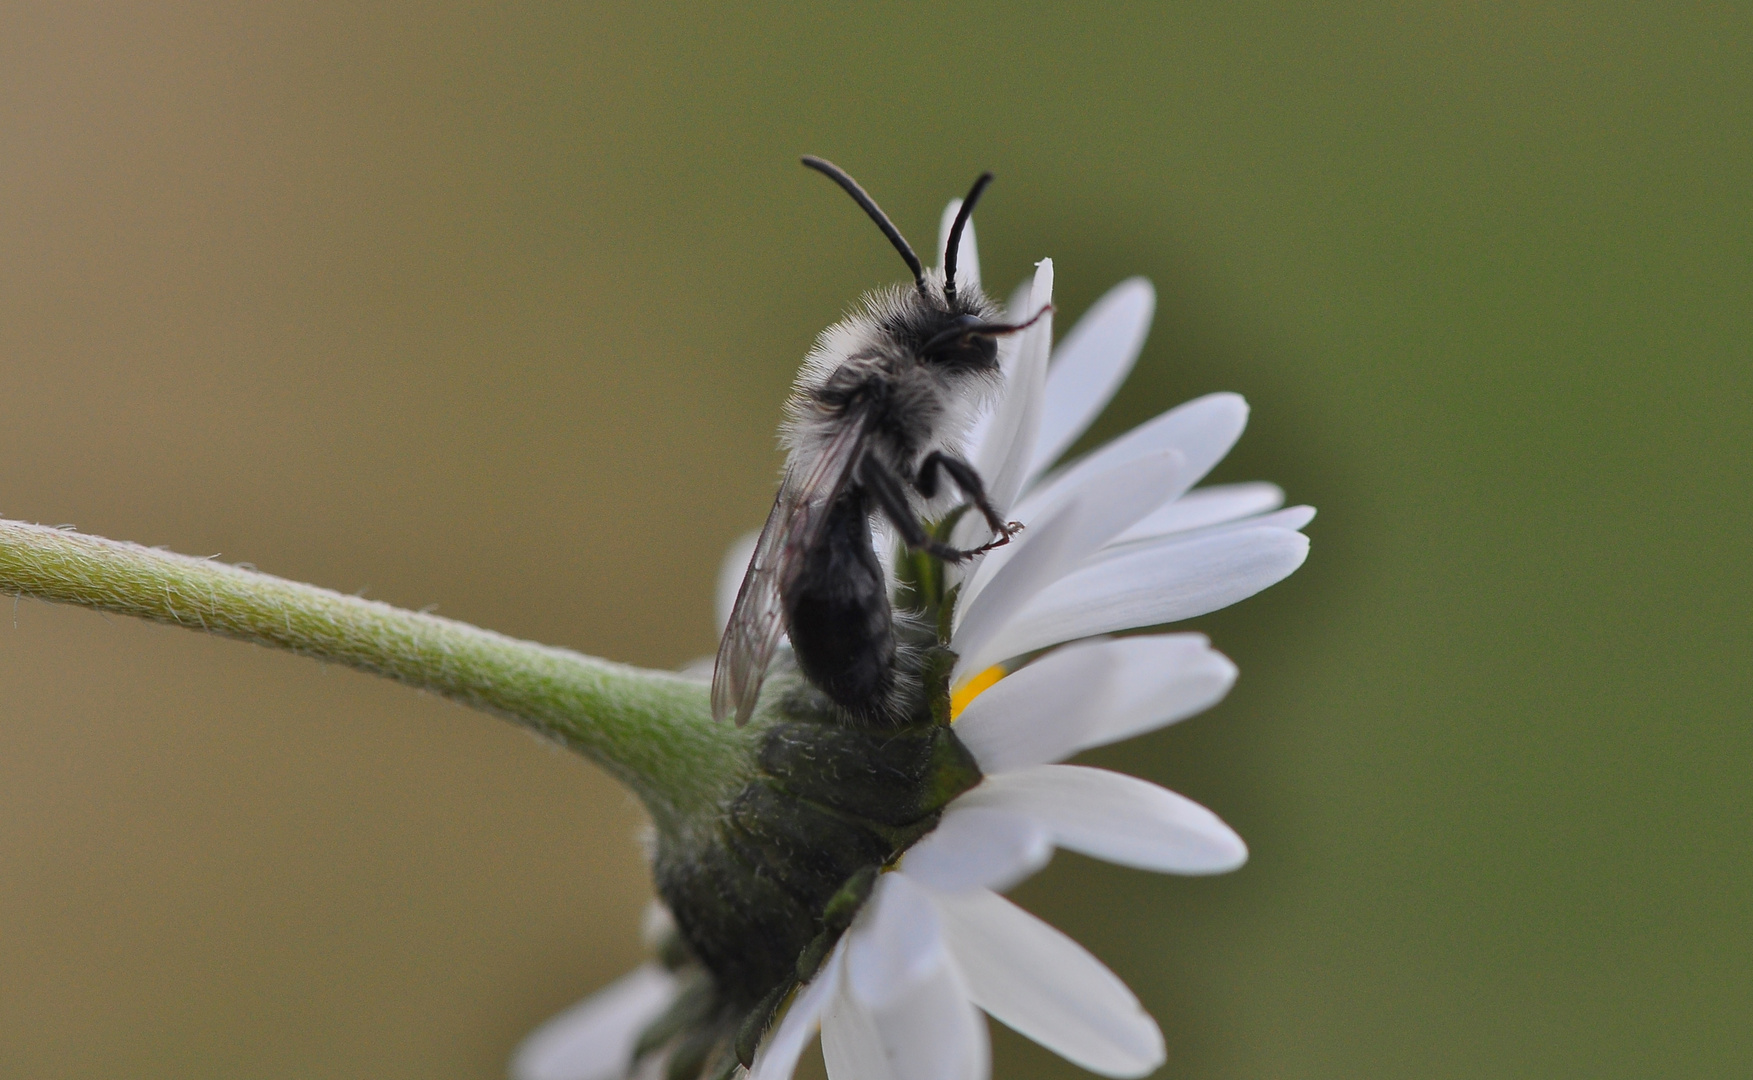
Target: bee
[872,429]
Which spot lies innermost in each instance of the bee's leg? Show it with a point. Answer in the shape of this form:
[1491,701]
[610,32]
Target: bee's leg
[968,480]
[891,498]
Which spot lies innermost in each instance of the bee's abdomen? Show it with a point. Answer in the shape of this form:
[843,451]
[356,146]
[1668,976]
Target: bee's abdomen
[837,613]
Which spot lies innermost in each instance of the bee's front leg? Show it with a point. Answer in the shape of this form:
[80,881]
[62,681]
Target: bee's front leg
[1011,528]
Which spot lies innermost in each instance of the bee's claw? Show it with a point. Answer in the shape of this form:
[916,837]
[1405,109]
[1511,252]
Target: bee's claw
[1010,529]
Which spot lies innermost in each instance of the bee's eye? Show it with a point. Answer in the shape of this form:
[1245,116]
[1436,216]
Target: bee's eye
[978,352]
[954,347]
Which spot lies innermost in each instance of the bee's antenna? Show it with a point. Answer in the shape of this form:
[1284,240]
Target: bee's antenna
[950,252]
[838,175]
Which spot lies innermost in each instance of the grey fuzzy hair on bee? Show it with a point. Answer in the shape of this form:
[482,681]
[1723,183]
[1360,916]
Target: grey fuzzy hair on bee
[931,405]
[872,429]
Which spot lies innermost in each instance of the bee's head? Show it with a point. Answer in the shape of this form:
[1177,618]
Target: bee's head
[954,333]
[967,343]
[963,343]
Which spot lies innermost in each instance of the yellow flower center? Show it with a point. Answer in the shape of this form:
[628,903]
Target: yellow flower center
[973,687]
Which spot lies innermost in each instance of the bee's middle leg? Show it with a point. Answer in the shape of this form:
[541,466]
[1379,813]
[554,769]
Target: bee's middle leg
[890,494]
[968,480]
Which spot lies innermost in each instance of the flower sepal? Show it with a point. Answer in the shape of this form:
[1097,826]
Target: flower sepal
[842,908]
[762,891]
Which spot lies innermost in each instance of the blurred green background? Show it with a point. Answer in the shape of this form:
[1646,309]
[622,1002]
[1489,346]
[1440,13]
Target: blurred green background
[494,307]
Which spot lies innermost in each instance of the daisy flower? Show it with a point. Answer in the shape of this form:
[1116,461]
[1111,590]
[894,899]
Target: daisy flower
[1117,540]
[898,997]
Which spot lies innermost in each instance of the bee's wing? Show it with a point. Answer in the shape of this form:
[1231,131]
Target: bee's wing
[755,626]
[756,623]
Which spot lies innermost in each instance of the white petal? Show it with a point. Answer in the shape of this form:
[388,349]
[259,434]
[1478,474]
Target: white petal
[894,945]
[1109,503]
[1046,986]
[967,253]
[936,1033]
[777,1058]
[730,574]
[899,973]
[1016,305]
[978,848]
[975,441]
[1125,820]
[1294,518]
[1203,430]
[1043,712]
[657,925]
[1010,435]
[1208,506]
[933,1033]
[851,1046]
[1050,547]
[594,1039]
[1160,679]
[1154,583]
[1291,518]
[699,668]
[1089,366]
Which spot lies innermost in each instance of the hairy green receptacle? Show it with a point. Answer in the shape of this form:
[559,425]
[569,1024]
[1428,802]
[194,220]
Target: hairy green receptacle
[761,893]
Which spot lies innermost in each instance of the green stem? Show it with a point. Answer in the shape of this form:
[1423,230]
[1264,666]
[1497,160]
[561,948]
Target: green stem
[651,729]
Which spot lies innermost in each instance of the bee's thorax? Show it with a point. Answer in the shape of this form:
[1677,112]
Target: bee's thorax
[870,366]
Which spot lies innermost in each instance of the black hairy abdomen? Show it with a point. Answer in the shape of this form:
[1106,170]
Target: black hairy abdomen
[837,611]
